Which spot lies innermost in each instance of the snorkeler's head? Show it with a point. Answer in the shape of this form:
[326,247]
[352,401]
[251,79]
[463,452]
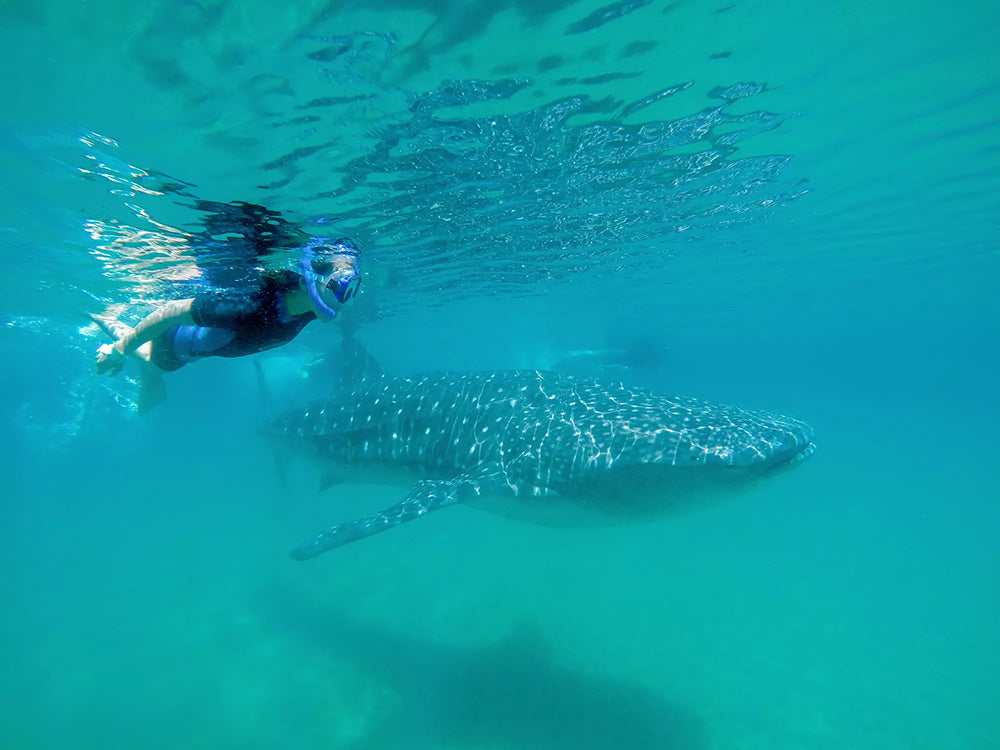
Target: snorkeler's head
[332,274]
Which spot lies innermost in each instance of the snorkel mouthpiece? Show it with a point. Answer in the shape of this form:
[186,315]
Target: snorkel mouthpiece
[315,280]
[310,279]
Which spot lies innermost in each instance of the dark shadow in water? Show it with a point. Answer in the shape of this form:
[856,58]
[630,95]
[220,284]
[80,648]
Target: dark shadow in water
[511,693]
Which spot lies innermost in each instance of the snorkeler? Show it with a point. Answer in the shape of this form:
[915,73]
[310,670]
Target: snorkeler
[233,322]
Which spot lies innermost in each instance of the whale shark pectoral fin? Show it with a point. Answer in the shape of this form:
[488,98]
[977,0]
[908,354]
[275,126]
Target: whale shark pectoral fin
[426,496]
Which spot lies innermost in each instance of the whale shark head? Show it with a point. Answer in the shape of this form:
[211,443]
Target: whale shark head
[633,453]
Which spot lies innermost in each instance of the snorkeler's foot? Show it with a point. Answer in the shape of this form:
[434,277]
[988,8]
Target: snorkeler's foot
[152,390]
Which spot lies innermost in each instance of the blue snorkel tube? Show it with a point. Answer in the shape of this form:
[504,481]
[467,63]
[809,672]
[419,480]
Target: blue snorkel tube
[338,247]
[307,273]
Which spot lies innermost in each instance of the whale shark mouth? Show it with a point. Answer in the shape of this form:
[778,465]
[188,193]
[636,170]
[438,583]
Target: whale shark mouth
[804,453]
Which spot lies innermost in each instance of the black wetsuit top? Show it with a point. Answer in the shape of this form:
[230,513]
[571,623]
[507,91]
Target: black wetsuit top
[244,323]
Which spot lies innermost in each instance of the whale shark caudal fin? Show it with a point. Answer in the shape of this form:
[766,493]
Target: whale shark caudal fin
[426,496]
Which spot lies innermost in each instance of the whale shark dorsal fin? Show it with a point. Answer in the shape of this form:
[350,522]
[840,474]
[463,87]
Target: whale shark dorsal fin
[426,496]
[354,364]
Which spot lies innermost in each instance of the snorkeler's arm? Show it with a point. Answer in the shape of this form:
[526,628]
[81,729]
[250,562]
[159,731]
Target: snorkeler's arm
[110,358]
[174,313]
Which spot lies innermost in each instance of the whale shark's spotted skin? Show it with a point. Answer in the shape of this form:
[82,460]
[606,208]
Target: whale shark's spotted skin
[540,440]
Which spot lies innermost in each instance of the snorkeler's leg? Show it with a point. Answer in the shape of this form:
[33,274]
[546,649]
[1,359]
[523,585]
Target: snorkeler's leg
[152,390]
[116,330]
[145,353]
[113,328]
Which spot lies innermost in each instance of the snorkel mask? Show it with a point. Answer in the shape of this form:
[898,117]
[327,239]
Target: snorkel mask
[331,267]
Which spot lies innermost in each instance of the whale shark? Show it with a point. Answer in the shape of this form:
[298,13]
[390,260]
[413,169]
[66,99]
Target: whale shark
[538,446]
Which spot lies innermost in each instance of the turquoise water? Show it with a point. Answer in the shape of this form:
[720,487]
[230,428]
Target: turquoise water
[797,204]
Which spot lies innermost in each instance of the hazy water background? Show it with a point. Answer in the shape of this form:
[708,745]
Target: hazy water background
[839,265]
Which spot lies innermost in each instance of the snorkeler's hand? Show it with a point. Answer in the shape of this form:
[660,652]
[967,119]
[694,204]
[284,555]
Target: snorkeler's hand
[110,359]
